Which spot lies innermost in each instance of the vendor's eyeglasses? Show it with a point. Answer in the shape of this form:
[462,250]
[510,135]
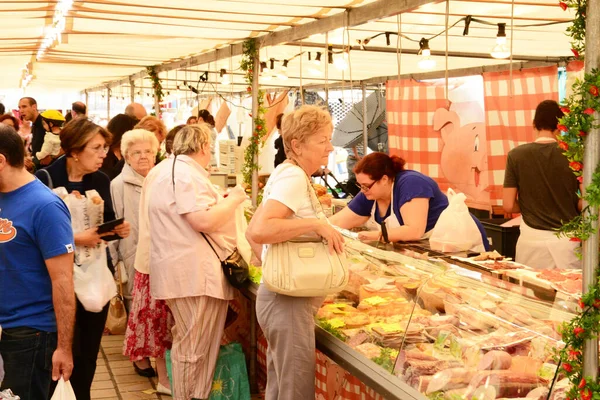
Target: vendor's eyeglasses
[138,153]
[365,188]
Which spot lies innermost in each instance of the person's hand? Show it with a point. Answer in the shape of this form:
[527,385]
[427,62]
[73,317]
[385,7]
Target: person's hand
[369,236]
[88,238]
[62,364]
[46,160]
[29,165]
[331,236]
[122,230]
[238,194]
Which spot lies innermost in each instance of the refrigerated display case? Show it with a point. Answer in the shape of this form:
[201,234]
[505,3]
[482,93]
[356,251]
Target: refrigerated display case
[444,331]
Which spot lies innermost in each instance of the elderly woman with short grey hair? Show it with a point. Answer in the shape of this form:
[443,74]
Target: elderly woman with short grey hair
[182,204]
[286,213]
[148,328]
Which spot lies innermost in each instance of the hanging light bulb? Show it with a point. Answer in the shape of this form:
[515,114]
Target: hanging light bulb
[317,60]
[264,70]
[225,78]
[341,63]
[426,62]
[272,67]
[285,65]
[500,50]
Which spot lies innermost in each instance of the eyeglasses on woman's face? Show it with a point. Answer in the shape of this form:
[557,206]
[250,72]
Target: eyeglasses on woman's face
[99,148]
[365,188]
[138,153]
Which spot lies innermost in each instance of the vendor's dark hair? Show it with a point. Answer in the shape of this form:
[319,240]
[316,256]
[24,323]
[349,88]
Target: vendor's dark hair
[378,165]
[547,114]
[207,117]
[279,119]
[11,146]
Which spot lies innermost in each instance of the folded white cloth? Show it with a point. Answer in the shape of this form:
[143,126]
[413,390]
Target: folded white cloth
[51,146]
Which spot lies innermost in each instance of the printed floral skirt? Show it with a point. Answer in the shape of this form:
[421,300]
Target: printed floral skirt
[149,325]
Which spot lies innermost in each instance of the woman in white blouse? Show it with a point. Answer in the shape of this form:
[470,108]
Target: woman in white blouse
[179,203]
[286,212]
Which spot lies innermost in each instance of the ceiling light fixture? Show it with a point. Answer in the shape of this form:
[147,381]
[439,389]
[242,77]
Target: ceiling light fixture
[425,62]
[52,35]
[263,68]
[285,65]
[500,50]
[272,62]
[317,60]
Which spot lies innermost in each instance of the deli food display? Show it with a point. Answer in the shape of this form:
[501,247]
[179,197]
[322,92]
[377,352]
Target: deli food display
[447,331]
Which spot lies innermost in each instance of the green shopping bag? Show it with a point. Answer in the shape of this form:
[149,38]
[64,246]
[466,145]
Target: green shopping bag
[230,381]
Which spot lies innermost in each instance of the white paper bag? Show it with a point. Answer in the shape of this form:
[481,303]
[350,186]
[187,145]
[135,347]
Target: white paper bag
[455,229]
[94,284]
[63,391]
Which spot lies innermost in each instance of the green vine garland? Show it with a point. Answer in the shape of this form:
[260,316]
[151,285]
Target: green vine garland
[156,83]
[260,128]
[574,127]
[577,28]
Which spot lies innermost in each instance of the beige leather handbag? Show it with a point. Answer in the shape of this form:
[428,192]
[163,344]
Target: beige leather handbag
[305,267]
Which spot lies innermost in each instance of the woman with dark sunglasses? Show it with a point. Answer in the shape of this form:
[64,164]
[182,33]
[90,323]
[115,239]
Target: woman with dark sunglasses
[407,202]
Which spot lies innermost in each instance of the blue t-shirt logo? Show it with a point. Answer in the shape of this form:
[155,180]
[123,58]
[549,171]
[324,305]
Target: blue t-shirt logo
[7,231]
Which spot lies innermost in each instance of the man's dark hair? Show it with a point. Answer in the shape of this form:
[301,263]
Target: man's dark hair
[11,146]
[279,121]
[547,114]
[118,125]
[2,109]
[31,100]
[79,108]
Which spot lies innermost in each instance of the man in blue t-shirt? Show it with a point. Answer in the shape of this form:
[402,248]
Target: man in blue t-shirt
[37,310]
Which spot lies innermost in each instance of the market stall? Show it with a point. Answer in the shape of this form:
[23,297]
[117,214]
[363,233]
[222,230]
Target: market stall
[416,324]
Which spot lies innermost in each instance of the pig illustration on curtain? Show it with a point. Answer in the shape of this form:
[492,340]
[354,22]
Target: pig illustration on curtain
[464,158]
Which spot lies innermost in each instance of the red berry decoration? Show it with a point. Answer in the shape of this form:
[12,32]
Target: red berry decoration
[563,145]
[562,128]
[578,331]
[567,367]
[594,91]
[576,165]
[588,111]
[563,5]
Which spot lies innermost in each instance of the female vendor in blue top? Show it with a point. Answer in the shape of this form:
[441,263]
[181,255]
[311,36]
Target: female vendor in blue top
[408,202]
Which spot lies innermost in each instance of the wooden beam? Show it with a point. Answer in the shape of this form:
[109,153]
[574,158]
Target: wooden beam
[460,72]
[351,17]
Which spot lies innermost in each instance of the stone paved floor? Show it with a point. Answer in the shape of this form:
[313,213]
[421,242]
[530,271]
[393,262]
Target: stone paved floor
[116,379]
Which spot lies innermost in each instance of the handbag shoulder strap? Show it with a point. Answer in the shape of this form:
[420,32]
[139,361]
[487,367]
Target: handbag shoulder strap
[202,233]
[50,183]
[211,246]
[314,201]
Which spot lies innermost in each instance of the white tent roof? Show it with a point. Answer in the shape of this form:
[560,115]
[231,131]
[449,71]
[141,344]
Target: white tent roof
[106,40]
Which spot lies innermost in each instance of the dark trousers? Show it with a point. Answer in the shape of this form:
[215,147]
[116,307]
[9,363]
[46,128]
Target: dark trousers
[27,355]
[89,327]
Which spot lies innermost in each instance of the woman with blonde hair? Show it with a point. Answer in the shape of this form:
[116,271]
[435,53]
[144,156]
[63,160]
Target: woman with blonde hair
[179,204]
[286,213]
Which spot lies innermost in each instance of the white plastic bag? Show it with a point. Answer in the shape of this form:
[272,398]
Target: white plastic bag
[63,391]
[94,284]
[241,226]
[455,229]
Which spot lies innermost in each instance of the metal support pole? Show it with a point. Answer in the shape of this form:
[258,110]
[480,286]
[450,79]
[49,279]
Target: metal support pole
[326,62]
[365,126]
[108,91]
[132,91]
[87,98]
[255,77]
[591,159]
[156,107]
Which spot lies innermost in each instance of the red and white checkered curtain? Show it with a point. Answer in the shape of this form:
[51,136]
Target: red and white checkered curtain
[509,118]
[410,109]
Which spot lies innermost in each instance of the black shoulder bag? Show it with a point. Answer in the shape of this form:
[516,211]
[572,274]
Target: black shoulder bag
[234,267]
